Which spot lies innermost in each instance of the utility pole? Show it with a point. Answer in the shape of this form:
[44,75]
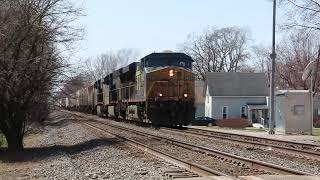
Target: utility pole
[272,83]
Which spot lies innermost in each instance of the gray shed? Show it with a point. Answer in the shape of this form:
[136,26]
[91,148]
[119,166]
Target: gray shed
[293,111]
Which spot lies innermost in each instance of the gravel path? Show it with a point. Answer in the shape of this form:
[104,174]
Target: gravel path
[70,151]
[243,151]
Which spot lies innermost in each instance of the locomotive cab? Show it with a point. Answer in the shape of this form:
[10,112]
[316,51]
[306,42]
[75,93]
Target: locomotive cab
[169,88]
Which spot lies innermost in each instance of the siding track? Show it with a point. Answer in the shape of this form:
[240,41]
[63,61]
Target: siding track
[300,150]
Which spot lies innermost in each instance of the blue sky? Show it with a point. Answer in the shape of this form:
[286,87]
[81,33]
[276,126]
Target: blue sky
[156,25]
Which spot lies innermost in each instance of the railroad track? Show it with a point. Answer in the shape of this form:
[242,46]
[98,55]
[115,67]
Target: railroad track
[181,168]
[300,150]
[254,164]
[241,166]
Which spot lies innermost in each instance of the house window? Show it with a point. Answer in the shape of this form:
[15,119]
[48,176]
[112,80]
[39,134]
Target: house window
[225,112]
[243,112]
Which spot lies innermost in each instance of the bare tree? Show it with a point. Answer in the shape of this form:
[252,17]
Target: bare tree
[32,34]
[260,60]
[248,69]
[302,14]
[73,84]
[260,57]
[218,50]
[303,19]
[105,63]
[293,56]
[126,56]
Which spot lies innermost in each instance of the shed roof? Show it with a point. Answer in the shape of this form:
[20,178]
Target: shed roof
[237,84]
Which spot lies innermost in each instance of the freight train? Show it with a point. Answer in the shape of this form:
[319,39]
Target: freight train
[159,90]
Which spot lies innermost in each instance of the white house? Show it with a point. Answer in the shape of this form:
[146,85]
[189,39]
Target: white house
[235,95]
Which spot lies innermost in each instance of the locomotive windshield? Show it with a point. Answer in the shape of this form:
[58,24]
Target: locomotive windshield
[168,62]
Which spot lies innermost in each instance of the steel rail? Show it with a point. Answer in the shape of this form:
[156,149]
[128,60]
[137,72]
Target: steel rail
[262,138]
[195,168]
[254,164]
[239,138]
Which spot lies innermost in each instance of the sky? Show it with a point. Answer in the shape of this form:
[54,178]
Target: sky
[156,25]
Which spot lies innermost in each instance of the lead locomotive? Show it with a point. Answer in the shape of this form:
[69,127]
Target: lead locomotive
[159,89]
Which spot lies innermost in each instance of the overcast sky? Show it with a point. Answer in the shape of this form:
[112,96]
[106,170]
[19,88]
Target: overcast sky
[157,25]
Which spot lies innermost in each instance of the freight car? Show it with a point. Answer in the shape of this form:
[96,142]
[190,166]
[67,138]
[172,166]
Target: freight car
[159,89]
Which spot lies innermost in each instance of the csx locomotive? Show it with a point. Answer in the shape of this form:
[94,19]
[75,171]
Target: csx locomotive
[159,89]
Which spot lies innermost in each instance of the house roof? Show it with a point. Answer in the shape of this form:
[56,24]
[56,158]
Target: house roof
[237,84]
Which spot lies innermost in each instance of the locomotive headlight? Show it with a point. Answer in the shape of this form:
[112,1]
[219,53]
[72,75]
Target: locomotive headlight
[185,95]
[160,94]
[171,73]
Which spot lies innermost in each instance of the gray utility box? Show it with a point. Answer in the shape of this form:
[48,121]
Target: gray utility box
[293,112]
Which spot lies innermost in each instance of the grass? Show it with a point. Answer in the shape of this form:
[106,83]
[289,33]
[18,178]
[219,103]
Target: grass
[316,131]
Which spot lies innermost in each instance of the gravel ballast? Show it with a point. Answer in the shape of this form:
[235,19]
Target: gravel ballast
[67,150]
[304,165]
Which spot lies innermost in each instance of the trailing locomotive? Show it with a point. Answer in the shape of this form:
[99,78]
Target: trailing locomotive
[159,89]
